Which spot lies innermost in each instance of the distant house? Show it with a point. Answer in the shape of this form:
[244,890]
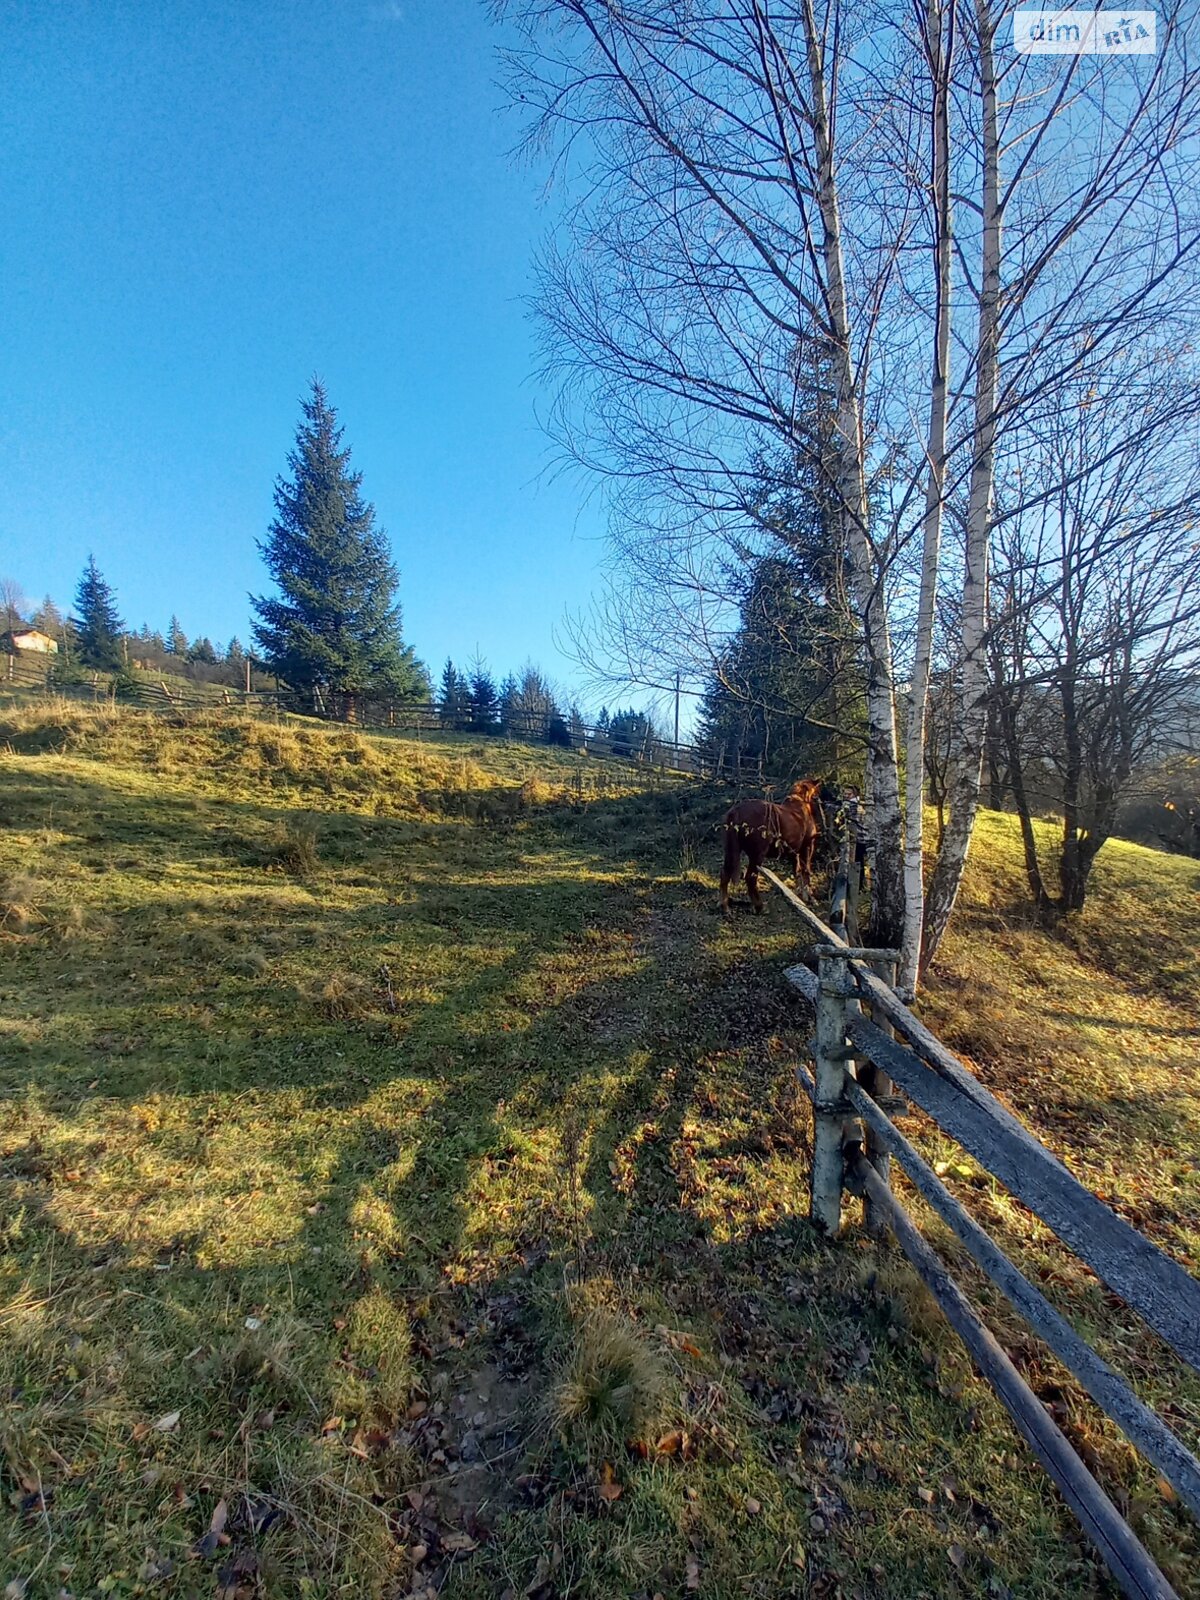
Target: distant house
[21,639]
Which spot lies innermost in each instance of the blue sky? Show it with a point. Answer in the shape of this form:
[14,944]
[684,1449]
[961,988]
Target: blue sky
[203,203]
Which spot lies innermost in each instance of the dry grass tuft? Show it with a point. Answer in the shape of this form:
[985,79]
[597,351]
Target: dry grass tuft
[295,847]
[535,792]
[613,1382]
[20,897]
[343,997]
[260,1363]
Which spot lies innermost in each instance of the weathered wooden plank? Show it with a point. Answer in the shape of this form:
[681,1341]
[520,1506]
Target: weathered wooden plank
[1145,1277]
[1143,1427]
[1126,1558]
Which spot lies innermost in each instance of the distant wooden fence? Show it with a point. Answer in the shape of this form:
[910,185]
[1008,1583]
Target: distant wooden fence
[867,1039]
[390,716]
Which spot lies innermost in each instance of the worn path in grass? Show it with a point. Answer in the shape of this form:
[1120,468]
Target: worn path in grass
[403,1194]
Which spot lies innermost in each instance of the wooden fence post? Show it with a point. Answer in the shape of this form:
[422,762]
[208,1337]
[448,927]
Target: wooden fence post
[828,1106]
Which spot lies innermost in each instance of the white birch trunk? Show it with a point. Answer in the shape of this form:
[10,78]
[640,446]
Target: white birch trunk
[966,754]
[939,44]
[883,778]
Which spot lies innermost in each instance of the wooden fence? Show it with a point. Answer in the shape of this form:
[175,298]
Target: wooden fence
[867,1040]
[383,716]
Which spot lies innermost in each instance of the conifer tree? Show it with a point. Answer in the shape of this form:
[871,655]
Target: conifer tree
[454,700]
[97,626]
[177,640]
[49,619]
[510,707]
[485,702]
[334,625]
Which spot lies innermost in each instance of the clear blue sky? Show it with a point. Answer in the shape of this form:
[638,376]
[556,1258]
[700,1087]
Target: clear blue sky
[203,203]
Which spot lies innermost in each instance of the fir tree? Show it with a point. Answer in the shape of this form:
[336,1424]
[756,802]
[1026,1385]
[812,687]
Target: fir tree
[97,625]
[510,707]
[454,706]
[202,650]
[235,655]
[485,702]
[335,624]
[49,619]
[177,640]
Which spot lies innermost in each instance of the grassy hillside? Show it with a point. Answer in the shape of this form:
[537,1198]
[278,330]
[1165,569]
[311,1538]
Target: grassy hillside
[404,1188]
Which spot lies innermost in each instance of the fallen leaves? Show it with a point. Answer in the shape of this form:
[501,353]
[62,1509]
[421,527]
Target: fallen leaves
[609,1489]
[206,1546]
[165,1424]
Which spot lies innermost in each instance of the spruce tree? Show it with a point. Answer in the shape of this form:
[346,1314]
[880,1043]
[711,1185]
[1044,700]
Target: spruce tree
[49,619]
[453,699]
[510,707]
[177,640]
[96,623]
[335,624]
[485,702]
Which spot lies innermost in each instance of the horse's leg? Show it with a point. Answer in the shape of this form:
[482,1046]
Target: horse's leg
[804,866]
[729,867]
[752,883]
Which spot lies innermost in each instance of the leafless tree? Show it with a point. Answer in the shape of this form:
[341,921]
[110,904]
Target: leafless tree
[1096,645]
[13,604]
[862,242]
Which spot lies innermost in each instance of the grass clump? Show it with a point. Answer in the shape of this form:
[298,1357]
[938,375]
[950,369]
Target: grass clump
[377,1373]
[296,847]
[20,895]
[345,997]
[613,1384]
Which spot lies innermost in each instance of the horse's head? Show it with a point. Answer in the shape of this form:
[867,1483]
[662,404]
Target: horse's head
[806,792]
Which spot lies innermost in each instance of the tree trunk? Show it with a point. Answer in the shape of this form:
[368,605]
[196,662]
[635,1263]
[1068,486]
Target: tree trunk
[939,41]
[883,778]
[1007,718]
[966,754]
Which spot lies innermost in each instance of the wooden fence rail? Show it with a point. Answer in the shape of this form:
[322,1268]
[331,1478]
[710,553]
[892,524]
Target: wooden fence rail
[856,1058]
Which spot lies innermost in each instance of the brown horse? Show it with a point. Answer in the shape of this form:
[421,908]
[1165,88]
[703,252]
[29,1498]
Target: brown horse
[762,828]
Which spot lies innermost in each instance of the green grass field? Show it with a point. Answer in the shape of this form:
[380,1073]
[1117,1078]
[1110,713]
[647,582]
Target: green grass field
[404,1190]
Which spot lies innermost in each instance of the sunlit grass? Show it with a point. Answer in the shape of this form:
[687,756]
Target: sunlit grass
[304,1153]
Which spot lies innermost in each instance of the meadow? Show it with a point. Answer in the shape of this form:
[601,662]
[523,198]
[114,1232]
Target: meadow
[404,1189]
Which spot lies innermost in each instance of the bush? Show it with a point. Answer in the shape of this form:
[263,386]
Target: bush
[125,685]
[68,675]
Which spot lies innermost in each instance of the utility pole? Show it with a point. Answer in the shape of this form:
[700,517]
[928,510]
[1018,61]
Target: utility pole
[247,674]
[676,719]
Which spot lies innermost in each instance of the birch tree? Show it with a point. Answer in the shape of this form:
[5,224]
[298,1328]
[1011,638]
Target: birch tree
[866,243]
